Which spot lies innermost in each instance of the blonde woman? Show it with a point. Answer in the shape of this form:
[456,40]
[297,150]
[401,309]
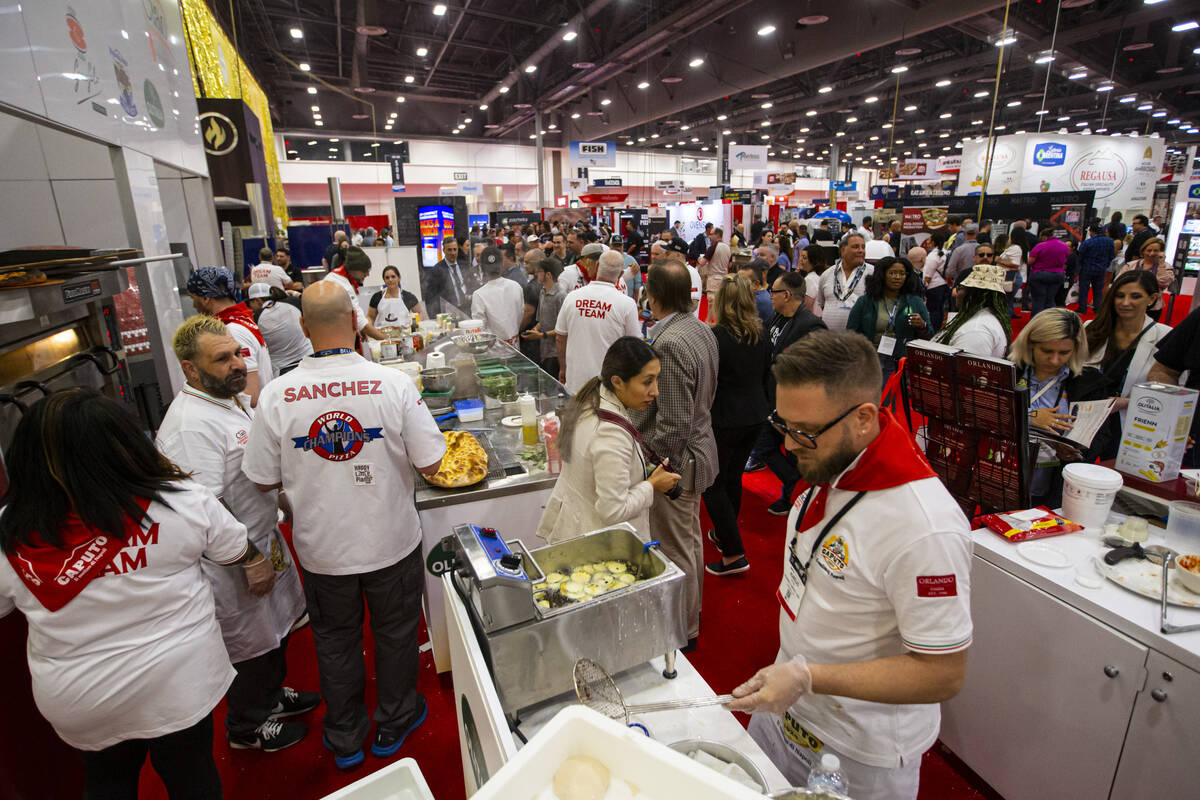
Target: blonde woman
[739,408]
[1048,353]
[609,475]
[1152,260]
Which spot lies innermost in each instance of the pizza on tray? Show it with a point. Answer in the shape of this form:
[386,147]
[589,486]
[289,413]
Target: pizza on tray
[465,462]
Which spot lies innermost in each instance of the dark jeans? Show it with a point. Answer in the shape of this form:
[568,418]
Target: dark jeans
[550,365]
[724,498]
[935,301]
[1043,286]
[255,691]
[1096,284]
[770,448]
[888,365]
[335,610]
[183,759]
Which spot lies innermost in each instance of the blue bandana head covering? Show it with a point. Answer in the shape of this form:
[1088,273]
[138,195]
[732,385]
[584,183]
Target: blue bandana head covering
[212,282]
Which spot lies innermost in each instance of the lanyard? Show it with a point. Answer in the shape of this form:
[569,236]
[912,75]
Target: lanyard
[824,531]
[1050,384]
[332,351]
[858,273]
[891,326]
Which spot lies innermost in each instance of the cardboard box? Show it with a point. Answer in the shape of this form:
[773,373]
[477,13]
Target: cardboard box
[1156,431]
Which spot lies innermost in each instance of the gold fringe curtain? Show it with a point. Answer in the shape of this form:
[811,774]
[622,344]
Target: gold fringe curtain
[218,71]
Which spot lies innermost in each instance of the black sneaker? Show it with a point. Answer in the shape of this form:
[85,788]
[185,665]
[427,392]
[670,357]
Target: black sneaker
[712,537]
[387,743]
[719,568]
[781,507]
[271,736]
[754,465]
[293,703]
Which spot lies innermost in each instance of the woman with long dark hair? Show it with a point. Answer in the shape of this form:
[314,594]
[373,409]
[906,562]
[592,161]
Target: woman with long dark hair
[1121,344]
[891,312]
[1152,260]
[739,407]
[103,539]
[607,477]
[983,323]
[814,261]
[937,290]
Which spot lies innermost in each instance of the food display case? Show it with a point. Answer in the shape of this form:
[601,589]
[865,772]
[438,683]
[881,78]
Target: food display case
[517,485]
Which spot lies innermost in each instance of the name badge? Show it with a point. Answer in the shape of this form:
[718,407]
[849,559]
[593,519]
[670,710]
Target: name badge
[887,345]
[795,582]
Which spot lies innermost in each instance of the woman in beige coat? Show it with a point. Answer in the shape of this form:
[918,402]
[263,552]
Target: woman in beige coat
[606,478]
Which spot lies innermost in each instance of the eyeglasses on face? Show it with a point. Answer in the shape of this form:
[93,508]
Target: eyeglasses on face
[984,254]
[802,438]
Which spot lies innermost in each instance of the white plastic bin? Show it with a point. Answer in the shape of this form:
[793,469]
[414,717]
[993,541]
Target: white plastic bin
[1088,493]
[656,770]
[400,781]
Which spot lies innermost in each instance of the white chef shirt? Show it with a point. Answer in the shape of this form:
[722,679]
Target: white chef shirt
[351,494]
[592,318]
[893,576]
[207,437]
[981,335]
[836,297]
[138,653]
[270,274]
[697,289]
[500,304]
[279,324]
[935,264]
[360,318]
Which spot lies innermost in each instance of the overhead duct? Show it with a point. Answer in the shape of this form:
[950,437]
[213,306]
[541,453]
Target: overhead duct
[366,25]
[336,210]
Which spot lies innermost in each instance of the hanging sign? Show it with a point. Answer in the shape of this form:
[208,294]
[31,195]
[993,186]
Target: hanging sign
[593,154]
[747,156]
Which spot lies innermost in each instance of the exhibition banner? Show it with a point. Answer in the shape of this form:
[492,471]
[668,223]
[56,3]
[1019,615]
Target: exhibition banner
[925,219]
[747,156]
[916,169]
[1121,170]
[695,216]
[593,154]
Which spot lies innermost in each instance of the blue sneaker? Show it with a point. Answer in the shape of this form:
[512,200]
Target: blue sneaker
[343,762]
[386,743]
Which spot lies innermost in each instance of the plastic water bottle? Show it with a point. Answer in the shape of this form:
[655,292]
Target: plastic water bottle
[828,778]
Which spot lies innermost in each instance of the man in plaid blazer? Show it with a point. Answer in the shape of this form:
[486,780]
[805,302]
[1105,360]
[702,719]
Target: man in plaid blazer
[678,425]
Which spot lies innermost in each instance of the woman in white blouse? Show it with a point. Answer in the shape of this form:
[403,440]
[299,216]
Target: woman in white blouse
[605,479]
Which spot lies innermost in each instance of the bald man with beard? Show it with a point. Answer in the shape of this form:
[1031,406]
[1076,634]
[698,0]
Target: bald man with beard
[342,435]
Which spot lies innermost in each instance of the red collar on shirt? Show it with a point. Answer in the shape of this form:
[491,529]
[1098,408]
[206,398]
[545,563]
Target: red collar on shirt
[891,459]
[240,314]
[55,575]
[342,271]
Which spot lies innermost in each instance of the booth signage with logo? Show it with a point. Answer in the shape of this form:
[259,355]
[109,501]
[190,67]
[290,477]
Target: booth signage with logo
[593,154]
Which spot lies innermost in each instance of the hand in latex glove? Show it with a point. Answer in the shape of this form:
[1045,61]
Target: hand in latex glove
[774,689]
[260,576]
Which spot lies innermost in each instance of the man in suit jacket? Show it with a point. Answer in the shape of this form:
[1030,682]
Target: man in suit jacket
[446,282]
[678,426]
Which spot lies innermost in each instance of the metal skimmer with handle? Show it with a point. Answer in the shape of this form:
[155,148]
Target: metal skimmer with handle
[596,689]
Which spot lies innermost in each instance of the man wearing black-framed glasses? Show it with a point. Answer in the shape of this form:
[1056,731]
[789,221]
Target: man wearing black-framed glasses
[884,552]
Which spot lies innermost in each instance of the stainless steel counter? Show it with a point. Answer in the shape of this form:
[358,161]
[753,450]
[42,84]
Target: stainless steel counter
[512,475]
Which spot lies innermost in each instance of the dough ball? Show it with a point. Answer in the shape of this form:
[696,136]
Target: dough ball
[581,778]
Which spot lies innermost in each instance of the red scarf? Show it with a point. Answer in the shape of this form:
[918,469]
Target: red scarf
[891,459]
[54,575]
[240,314]
[342,271]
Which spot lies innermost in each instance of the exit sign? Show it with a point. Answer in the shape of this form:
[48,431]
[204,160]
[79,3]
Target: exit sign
[460,176]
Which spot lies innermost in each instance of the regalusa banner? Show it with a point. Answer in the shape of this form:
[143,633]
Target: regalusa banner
[1121,170]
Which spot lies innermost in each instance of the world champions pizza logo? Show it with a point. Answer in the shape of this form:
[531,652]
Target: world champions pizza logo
[336,436]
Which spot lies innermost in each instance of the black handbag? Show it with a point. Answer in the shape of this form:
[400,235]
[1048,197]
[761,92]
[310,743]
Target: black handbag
[1095,384]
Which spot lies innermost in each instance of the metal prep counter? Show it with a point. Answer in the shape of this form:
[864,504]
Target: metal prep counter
[512,496]
[486,742]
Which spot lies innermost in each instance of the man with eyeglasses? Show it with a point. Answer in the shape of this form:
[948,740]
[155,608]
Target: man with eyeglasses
[884,552]
[792,320]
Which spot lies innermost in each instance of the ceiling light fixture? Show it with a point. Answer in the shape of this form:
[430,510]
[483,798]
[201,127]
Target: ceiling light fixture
[439,10]
[812,112]
[422,52]
[982,93]
[304,67]
[1064,118]
[766,30]
[1127,99]
[726,132]
[1075,76]
[1013,103]
[767,104]
[765,123]
[1158,114]
[318,123]
[696,62]
[503,90]
[400,99]
[575,115]
[722,117]
[316,108]
[910,108]
[825,90]
[1107,87]
[1045,58]
[871,99]
[1145,107]
[943,83]
[1041,112]
[851,120]
[530,69]
[312,90]
[483,106]
[409,79]
[296,33]
[805,129]
[629,143]
[944,115]
[644,85]
[685,127]
[569,36]
[898,69]
[1185,26]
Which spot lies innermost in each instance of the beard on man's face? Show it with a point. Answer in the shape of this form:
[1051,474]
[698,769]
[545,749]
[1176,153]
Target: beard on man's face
[232,384]
[832,465]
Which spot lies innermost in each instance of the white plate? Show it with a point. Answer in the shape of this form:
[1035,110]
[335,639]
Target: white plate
[1145,577]
[1047,555]
[511,422]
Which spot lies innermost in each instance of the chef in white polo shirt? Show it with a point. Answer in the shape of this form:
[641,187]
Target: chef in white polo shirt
[356,266]
[875,611]
[268,272]
[842,284]
[205,431]
[213,293]
[591,319]
[342,435]
[500,302]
